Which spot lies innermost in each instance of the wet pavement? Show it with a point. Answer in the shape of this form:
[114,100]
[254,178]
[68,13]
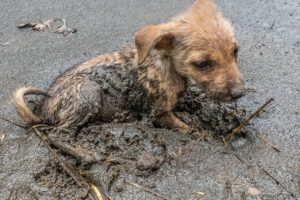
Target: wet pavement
[269,58]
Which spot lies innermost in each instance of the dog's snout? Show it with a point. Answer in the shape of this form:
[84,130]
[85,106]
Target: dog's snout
[237,92]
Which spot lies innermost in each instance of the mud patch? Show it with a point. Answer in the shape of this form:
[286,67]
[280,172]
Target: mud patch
[125,150]
[218,119]
[133,151]
[59,185]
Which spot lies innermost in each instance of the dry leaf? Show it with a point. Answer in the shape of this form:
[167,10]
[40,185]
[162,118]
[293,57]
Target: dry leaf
[50,24]
[199,193]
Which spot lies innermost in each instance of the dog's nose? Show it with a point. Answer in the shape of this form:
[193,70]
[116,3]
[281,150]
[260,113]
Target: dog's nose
[237,92]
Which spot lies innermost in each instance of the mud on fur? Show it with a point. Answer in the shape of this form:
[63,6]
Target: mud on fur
[197,47]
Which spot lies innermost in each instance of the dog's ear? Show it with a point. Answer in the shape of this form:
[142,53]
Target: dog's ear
[153,37]
[199,2]
[203,6]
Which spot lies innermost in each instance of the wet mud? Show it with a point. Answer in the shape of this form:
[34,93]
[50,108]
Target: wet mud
[111,154]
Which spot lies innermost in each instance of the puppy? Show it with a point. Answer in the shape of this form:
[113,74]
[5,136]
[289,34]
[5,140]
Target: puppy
[198,46]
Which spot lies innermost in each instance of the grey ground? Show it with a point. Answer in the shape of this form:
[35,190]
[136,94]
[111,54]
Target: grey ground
[269,36]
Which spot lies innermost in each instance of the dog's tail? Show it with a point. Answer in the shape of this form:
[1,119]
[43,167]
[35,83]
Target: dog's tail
[21,106]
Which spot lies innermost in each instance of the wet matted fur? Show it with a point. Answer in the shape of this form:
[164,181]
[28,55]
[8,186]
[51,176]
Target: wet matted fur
[198,46]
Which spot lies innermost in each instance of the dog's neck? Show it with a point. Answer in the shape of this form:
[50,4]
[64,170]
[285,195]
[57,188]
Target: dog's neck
[159,77]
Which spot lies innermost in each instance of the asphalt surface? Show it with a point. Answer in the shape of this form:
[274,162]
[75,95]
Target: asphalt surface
[269,36]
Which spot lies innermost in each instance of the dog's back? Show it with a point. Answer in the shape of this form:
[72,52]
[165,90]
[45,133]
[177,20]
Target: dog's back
[103,88]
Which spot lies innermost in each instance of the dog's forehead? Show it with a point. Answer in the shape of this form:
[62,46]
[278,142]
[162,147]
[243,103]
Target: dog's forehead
[205,21]
[217,38]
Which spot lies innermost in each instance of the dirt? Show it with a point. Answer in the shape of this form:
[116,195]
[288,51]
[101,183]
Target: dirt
[129,151]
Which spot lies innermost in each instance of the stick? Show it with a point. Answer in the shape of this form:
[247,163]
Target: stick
[80,183]
[268,142]
[79,180]
[249,90]
[228,148]
[62,164]
[276,181]
[225,143]
[147,190]
[237,130]
[81,154]
[14,123]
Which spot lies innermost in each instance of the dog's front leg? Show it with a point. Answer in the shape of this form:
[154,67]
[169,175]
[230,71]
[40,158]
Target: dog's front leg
[169,120]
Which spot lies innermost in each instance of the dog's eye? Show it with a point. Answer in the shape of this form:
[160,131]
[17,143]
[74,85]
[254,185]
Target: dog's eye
[202,64]
[235,52]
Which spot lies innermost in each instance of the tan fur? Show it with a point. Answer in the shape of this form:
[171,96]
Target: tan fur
[166,57]
[22,108]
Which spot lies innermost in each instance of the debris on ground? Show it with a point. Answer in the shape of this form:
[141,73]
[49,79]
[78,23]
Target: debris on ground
[199,194]
[4,44]
[58,26]
[238,130]
[2,136]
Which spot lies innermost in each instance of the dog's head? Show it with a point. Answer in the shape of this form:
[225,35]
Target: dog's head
[200,46]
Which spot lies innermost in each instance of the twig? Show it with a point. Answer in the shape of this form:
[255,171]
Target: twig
[249,90]
[246,121]
[62,164]
[37,126]
[79,180]
[80,183]
[13,122]
[276,181]
[228,147]
[265,140]
[83,155]
[147,190]
[225,143]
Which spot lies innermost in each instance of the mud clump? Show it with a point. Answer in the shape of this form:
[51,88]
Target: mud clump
[198,110]
[128,151]
[148,161]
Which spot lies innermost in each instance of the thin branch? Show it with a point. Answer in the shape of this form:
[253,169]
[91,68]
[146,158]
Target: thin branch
[81,154]
[14,123]
[249,90]
[265,140]
[276,181]
[237,130]
[56,157]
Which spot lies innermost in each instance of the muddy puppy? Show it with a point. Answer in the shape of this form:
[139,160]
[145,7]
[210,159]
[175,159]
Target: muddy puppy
[198,46]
